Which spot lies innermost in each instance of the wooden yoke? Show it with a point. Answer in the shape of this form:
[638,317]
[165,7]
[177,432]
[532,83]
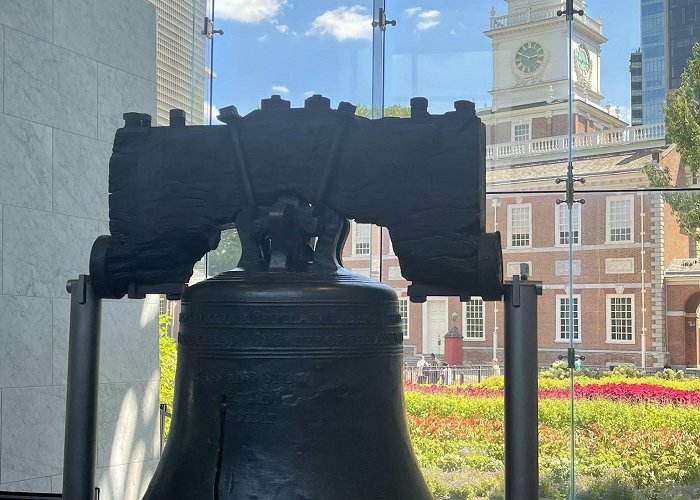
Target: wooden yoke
[173,188]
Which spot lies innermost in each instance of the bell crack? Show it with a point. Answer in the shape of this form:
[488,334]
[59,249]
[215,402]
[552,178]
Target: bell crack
[220,453]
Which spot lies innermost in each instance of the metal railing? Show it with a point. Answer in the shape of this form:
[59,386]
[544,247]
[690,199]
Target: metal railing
[164,413]
[470,374]
[532,15]
[448,375]
[688,372]
[581,141]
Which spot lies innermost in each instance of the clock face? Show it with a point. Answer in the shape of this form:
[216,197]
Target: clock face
[529,57]
[582,60]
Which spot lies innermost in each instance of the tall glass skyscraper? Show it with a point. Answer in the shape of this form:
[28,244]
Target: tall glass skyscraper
[653,33]
[683,21]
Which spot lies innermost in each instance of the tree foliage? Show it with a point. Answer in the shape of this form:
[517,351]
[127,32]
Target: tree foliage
[168,363]
[682,113]
[685,205]
[395,110]
[227,254]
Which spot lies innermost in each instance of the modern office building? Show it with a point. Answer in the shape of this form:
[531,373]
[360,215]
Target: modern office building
[636,88]
[653,33]
[181,53]
[683,22]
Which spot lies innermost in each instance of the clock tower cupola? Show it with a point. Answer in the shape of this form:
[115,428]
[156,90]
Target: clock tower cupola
[530,54]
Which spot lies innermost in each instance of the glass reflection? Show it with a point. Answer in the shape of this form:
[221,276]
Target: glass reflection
[626,295]
[606,297]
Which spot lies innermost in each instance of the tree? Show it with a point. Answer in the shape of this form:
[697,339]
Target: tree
[682,112]
[685,206]
[227,254]
[395,110]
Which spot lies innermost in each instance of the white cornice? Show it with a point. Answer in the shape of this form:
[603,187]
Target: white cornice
[580,107]
[611,179]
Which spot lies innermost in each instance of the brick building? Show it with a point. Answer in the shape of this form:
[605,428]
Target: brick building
[636,280]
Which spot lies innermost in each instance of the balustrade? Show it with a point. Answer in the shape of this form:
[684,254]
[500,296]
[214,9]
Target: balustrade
[582,141]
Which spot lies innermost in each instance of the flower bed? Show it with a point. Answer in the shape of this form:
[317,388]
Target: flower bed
[633,440]
[621,391]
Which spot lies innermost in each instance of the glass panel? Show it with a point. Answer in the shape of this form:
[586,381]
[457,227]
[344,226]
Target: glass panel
[294,51]
[512,61]
[620,274]
[308,48]
[180,82]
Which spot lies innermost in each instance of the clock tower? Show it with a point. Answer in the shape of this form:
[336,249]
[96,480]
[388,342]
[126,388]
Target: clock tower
[530,70]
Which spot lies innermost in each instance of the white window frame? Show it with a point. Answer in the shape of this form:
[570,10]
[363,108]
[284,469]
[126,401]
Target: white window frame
[405,300]
[356,237]
[465,318]
[511,208]
[608,319]
[522,124]
[577,318]
[608,202]
[562,225]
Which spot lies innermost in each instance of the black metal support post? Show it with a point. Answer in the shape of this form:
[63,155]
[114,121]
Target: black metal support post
[79,449]
[521,465]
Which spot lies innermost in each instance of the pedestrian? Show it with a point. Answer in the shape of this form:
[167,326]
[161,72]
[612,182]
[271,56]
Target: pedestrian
[578,364]
[494,366]
[434,368]
[421,369]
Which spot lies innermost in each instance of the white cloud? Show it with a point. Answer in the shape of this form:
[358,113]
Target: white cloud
[343,23]
[262,38]
[282,28]
[428,19]
[281,89]
[248,11]
[412,11]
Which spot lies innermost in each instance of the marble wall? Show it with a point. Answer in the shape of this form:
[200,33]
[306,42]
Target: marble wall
[68,70]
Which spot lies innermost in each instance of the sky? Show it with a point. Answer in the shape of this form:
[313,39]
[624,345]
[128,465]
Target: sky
[437,49]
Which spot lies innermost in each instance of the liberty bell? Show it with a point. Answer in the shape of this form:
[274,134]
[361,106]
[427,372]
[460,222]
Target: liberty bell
[289,385]
[289,378]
